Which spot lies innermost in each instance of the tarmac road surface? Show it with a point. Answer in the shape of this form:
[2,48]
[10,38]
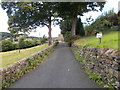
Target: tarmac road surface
[60,70]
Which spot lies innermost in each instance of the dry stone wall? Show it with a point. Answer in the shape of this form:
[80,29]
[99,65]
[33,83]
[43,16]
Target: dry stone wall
[101,61]
[13,72]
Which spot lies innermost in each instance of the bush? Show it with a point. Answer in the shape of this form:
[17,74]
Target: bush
[75,37]
[27,44]
[7,45]
[21,43]
[35,42]
[70,39]
[30,43]
[15,46]
[114,28]
[67,36]
[43,40]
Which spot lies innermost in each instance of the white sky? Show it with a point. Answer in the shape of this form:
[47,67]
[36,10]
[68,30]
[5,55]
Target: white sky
[111,4]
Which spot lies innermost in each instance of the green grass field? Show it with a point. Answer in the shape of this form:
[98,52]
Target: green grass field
[109,40]
[12,56]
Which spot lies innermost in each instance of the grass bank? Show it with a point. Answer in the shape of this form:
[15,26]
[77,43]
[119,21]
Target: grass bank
[12,56]
[109,40]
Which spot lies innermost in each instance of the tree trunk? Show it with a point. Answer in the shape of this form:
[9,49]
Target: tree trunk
[19,50]
[49,27]
[73,30]
[49,33]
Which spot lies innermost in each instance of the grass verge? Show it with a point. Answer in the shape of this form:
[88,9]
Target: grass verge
[77,57]
[34,63]
[12,56]
[95,77]
[109,40]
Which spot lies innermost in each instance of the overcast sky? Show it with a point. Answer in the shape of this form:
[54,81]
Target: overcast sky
[110,4]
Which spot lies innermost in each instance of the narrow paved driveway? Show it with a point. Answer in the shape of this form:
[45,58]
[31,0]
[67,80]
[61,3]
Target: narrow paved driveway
[60,70]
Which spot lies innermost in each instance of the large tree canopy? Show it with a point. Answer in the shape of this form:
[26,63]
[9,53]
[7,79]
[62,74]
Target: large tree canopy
[72,9]
[79,28]
[106,22]
[26,16]
[66,25]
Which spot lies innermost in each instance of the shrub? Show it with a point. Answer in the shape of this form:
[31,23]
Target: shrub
[35,42]
[75,37]
[30,43]
[114,28]
[43,40]
[7,45]
[67,36]
[15,46]
[21,43]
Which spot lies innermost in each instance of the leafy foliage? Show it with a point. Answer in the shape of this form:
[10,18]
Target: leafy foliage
[108,21]
[26,16]
[21,43]
[73,9]
[7,45]
[79,28]
[66,26]
[69,38]
[43,40]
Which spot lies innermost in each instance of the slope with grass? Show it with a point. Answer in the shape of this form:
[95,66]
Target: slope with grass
[12,56]
[109,40]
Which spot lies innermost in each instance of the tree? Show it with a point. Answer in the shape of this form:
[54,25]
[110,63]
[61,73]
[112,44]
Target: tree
[119,20]
[65,26]
[26,16]
[105,23]
[6,45]
[14,32]
[21,43]
[71,10]
[79,28]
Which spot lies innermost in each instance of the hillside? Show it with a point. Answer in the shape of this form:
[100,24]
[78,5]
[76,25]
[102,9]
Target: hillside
[32,37]
[4,35]
[109,40]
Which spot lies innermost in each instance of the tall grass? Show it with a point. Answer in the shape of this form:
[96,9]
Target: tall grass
[12,56]
[109,40]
